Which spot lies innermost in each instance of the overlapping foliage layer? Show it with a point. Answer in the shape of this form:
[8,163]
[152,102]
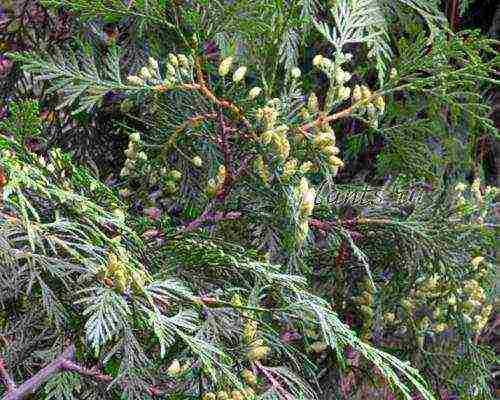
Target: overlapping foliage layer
[245,200]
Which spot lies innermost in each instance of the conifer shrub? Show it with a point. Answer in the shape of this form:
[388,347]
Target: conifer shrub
[230,249]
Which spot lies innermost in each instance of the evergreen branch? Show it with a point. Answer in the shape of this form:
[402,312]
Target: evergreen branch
[77,77]
[203,89]
[98,8]
[108,314]
[325,119]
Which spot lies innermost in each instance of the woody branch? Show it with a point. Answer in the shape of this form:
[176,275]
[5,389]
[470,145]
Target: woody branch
[64,362]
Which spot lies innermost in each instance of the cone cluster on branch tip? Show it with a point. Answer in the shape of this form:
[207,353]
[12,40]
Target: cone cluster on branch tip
[289,169]
[296,73]
[305,196]
[476,199]
[133,155]
[338,77]
[170,180]
[174,368]
[324,140]
[313,103]
[214,185]
[372,107]
[225,66]
[393,73]
[262,170]
[474,308]
[476,190]
[389,318]
[460,187]
[249,377]
[239,74]
[197,161]
[318,347]
[246,393]
[121,275]
[446,300]
[177,68]
[275,135]
[257,349]
[254,93]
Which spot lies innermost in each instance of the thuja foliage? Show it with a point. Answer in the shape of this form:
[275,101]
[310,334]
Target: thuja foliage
[226,258]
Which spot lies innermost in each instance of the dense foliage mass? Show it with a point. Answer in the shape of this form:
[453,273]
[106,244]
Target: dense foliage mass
[246,200]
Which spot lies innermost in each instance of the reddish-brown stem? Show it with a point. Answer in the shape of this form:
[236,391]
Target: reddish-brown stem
[190,122]
[224,144]
[324,226]
[69,365]
[196,87]
[31,385]
[6,378]
[323,119]
[221,196]
[64,362]
[202,88]
[273,381]
[208,216]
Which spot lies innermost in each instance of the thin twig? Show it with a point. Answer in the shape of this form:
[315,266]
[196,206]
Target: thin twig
[196,87]
[224,144]
[69,365]
[241,171]
[212,217]
[323,119]
[190,122]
